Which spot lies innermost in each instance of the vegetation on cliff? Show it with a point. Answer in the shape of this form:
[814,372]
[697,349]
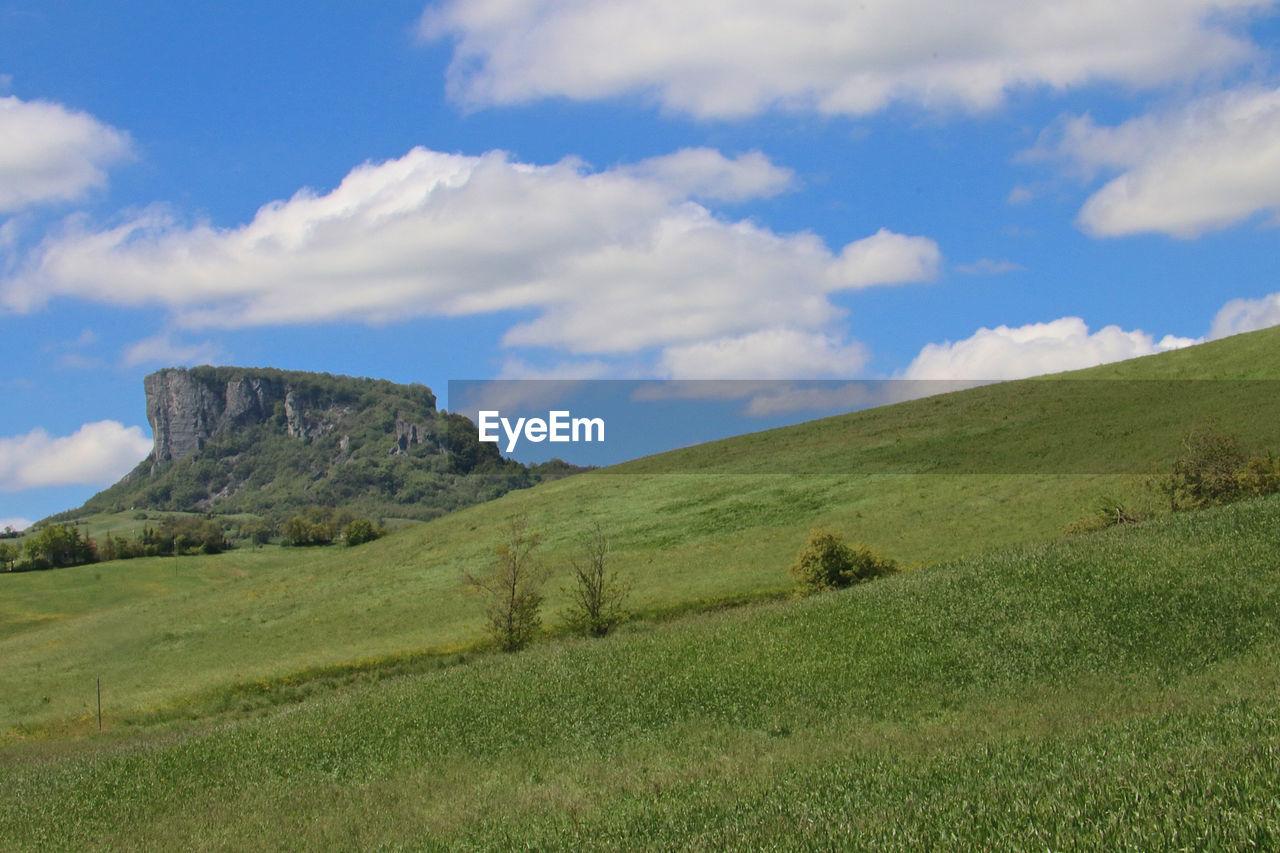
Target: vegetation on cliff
[273,442]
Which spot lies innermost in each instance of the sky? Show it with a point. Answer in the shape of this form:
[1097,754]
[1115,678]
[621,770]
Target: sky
[633,189]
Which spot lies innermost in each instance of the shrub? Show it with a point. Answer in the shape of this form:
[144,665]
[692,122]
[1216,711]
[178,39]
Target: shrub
[826,562]
[1214,469]
[360,531]
[1208,470]
[300,532]
[1260,476]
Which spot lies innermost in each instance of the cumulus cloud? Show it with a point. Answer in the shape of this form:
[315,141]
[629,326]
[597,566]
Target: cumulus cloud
[49,153]
[720,59]
[97,454]
[1246,315]
[15,523]
[603,262]
[766,354]
[1206,165]
[1034,350]
[706,173]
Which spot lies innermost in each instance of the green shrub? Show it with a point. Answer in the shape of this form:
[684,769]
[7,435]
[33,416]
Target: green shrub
[1260,476]
[299,532]
[360,531]
[1214,469]
[826,562]
[1208,470]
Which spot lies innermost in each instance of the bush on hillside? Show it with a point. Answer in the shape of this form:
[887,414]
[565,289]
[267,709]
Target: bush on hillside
[299,532]
[1215,469]
[826,562]
[360,531]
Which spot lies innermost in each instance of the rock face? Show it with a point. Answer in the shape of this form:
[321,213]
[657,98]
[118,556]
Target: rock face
[409,434]
[271,442]
[185,411]
[186,408]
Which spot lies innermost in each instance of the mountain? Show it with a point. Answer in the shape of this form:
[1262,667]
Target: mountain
[260,440]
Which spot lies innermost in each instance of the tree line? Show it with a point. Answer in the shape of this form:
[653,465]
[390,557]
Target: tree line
[56,546]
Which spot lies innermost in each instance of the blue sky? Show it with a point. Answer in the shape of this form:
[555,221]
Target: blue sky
[477,189]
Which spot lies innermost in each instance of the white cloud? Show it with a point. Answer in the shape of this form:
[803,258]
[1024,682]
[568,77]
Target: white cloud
[606,262]
[708,174]
[766,354]
[731,59]
[161,349]
[1206,165]
[97,454]
[1246,315]
[50,153]
[15,523]
[1034,350]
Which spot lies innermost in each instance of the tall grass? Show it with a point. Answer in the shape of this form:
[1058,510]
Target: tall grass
[1116,689]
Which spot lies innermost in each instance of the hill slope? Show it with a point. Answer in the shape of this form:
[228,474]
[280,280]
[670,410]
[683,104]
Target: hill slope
[1115,691]
[166,634]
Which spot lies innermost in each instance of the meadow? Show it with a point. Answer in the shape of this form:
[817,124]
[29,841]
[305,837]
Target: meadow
[1019,685]
[1115,689]
[921,482]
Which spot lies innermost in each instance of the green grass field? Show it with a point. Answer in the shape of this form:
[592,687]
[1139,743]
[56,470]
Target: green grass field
[1118,689]
[1016,688]
[940,478]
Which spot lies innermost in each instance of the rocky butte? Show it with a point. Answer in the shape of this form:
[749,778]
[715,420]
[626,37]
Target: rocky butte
[267,441]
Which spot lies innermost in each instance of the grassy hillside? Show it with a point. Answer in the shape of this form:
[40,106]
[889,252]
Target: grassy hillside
[1117,690]
[940,479]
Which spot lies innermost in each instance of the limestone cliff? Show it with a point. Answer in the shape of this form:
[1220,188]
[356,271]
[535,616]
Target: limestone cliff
[185,411]
[273,442]
[188,407]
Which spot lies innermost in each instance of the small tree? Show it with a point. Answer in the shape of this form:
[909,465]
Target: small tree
[513,587]
[826,562]
[360,531]
[9,554]
[597,595]
[60,545]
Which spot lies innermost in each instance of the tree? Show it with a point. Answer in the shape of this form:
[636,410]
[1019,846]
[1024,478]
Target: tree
[826,562]
[360,531]
[597,595]
[513,587]
[8,555]
[61,545]
[298,531]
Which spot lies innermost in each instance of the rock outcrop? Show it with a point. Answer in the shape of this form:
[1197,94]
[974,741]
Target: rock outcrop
[271,442]
[185,410]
